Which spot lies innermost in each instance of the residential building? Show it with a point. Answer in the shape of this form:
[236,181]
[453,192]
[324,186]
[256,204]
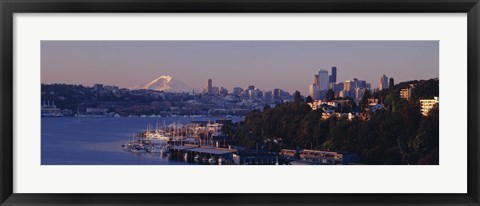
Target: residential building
[406,93]
[427,104]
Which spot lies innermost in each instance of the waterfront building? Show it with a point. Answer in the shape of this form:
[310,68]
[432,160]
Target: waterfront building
[50,110]
[96,110]
[427,104]
[289,154]
[383,83]
[251,157]
[320,157]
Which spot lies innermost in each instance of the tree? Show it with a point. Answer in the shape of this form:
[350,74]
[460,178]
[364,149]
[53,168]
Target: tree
[398,135]
[266,106]
[330,94]
[365,98]
[390,85]
[309,99]
[297,97]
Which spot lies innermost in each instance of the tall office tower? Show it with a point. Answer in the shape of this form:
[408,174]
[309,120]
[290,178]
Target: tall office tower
[383,83]
[333,77]
[314,91]
[323,79]
[208,87]
[315,79]
[277,93]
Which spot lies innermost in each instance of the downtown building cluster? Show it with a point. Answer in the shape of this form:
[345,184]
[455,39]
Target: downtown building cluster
[354,89]
[249,93]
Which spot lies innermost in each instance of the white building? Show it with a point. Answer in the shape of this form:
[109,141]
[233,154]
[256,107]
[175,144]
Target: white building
[427,104]
[323,79]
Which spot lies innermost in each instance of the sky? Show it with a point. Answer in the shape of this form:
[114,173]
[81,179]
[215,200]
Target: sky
[288,65]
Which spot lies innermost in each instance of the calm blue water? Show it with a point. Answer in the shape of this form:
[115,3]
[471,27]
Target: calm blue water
[97,141]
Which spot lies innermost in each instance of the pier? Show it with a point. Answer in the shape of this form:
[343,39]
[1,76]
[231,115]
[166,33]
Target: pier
[202,154]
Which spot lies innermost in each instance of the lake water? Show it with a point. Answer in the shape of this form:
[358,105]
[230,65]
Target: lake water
[97,141]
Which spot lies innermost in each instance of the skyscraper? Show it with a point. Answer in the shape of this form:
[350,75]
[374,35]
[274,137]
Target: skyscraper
[208,87]
[333,77]
[383,83]
[323,79]
[314,91]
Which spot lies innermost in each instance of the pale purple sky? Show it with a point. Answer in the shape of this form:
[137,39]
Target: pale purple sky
[289,65]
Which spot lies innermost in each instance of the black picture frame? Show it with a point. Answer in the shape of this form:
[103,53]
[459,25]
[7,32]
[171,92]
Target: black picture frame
[9,7]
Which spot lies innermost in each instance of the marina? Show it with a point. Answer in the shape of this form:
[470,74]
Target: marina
[200,142]
[180,141]
[98,140]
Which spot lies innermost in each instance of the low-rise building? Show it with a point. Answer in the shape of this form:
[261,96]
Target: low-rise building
[375,106]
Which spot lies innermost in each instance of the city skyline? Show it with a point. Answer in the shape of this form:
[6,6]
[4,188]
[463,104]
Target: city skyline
[288,65]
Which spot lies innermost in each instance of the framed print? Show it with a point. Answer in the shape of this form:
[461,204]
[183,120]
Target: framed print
[259,102]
